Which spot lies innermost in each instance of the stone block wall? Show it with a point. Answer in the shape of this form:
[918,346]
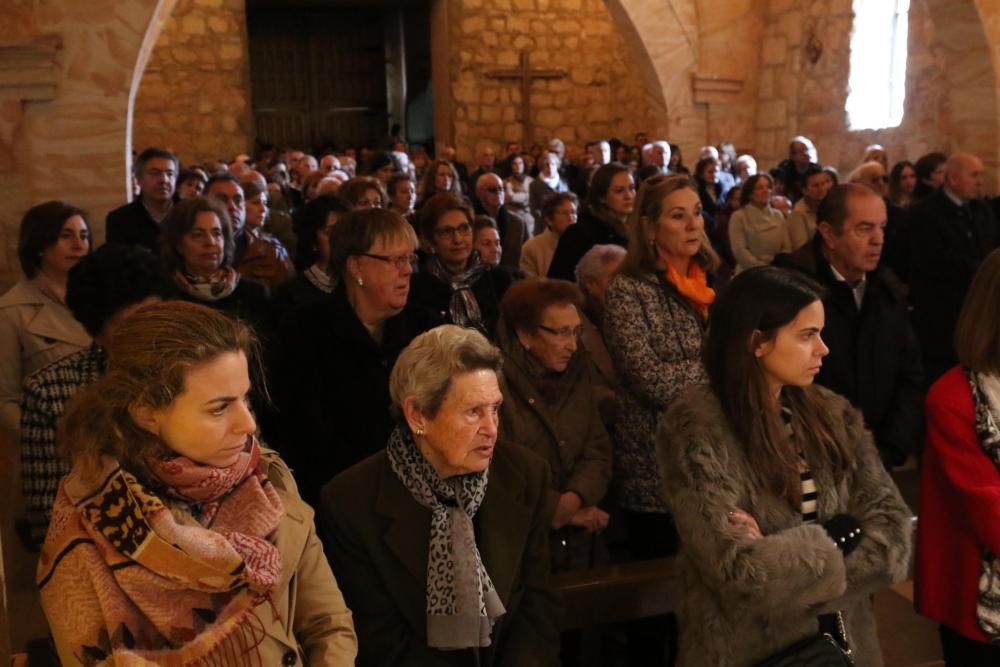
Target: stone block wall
[796,96]
[195,94]
[601,96]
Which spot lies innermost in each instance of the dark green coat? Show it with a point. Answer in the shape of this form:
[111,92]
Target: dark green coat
[377,540]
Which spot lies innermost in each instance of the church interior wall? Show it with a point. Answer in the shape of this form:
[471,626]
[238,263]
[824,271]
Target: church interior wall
[195,93]
[602,95]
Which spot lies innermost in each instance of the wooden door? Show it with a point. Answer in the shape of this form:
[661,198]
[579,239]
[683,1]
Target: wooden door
[318,76]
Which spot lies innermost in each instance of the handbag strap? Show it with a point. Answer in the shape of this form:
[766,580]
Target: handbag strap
[833,625]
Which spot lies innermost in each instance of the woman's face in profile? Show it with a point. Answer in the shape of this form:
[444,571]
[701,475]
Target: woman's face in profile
[488,245]
[210,421]
[554,343]
[460,438]
[795,355]
[202,247]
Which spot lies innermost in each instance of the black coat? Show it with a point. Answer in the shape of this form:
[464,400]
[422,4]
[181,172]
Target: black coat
[946,245]
[590,230]
[434,295]
[874,359]
[132,224]
[377,539]
[332,387]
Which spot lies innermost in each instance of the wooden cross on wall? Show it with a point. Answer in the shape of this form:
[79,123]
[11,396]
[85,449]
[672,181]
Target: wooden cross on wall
[526,76]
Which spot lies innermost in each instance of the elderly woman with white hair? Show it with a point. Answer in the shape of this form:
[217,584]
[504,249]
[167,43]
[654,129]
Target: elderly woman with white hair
[441,539]
[592,275]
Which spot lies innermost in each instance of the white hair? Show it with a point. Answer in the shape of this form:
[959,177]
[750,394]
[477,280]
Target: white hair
[596,262]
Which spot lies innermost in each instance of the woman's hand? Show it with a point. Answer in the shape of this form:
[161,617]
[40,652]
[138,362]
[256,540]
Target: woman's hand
[568,505]
[745,525]
[593,519]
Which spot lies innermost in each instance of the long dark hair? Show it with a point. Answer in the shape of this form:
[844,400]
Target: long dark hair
[749,312]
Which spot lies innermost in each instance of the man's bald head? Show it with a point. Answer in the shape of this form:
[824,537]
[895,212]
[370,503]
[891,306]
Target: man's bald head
[489,191]
[964,176]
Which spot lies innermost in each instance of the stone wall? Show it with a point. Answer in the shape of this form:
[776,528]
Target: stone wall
[601,96]
[796,96]
[195,93]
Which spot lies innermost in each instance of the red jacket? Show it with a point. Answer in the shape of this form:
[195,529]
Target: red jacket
[959,509]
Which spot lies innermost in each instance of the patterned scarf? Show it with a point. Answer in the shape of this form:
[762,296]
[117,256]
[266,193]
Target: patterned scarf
[462,604]
[986,398]
[693,287]
[320,279]
[463,308]
[219,285]
[150,586]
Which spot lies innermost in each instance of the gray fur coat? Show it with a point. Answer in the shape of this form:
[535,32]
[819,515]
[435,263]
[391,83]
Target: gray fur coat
[745,600]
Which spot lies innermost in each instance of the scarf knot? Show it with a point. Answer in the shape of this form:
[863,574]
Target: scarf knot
[463,309]
[693,287]
[217,286]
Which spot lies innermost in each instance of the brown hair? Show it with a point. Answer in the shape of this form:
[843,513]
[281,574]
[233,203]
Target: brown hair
[427,187]
[749,312]
[353,189]
[641,258]
[525,301]
[40,228]
[554,201]
[437,206]
[149,356]
[357,231]
[179,222]
[977,335]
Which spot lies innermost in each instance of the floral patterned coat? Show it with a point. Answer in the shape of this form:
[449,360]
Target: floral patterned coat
[654,338]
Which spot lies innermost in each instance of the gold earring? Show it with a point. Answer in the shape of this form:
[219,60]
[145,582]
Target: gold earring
[419,431]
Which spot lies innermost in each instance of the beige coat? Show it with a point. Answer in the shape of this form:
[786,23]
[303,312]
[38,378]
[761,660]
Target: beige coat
[537,252]
[312,624]
[757,235]
[314,618]
[34,332]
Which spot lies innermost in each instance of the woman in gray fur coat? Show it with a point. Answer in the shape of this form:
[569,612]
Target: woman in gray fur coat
[783,507]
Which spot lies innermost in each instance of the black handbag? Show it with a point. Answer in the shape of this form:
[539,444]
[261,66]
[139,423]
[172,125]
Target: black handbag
[829,648]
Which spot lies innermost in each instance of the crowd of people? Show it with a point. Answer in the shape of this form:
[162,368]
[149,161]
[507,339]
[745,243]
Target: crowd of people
[359,406]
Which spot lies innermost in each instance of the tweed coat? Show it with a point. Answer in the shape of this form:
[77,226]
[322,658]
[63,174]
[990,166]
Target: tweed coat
[654,338]
[745,599]
[377,538]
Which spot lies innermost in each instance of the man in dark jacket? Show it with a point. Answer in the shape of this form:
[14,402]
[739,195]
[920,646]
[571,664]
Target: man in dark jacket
[950,232]
[512,227]
[874,358]
[138,223]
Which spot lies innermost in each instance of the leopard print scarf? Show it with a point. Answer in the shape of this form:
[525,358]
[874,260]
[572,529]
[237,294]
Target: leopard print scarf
[986,398]
[462,604]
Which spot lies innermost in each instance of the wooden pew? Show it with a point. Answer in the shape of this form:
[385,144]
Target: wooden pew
[618,593]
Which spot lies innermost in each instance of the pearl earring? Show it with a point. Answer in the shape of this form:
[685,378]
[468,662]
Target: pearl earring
[361,283]
[419,431]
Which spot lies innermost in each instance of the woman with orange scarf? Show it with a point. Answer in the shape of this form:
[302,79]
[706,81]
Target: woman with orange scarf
[655,316]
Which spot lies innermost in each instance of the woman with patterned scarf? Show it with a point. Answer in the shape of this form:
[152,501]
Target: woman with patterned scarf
[177,539]
[197,250]
[441,539]
[958,544]
[655,314]
[452,281]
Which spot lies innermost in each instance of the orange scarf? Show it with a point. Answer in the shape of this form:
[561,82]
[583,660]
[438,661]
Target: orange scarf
[693,287]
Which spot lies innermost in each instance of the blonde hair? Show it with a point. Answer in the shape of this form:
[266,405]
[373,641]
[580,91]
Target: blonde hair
[149,356]
[642,257]
[425,368]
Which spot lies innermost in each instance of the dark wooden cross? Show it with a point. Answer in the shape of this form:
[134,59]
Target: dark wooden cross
[526,76]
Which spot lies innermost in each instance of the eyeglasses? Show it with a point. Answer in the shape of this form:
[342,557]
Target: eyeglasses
[563,332]
[399,261]
[463,229]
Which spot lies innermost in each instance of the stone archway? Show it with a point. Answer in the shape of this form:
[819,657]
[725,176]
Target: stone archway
[664,45]
[70,72]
